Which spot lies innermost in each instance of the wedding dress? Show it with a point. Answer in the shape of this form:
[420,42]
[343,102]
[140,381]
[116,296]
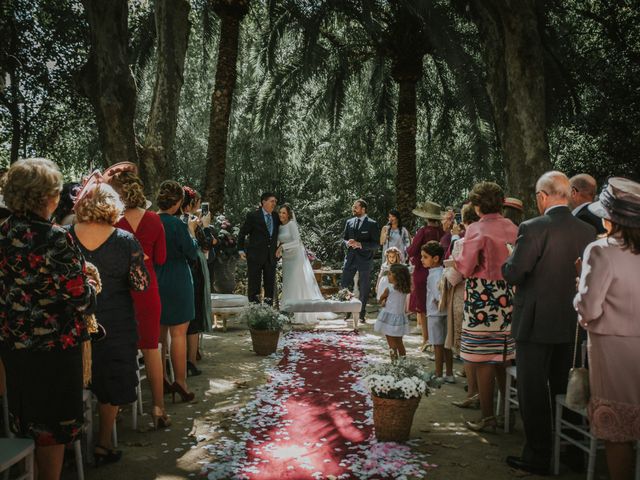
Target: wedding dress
[298,280]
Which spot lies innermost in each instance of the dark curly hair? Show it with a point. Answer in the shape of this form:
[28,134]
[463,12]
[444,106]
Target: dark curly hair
[169,194]
[488,196]
[434,249]
[468,214]
[67,199]
[402,277]
[630,237]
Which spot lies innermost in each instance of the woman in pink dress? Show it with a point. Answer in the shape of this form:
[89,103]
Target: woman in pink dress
[431,212]
[608,303]
[148,229]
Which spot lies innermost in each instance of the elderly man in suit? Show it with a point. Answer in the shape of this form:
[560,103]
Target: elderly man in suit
[261,226]
[583,190]
[361,236]
[542,268]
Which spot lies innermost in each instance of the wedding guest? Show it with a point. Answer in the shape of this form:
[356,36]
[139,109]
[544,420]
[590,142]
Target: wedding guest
[394,234]
[361,235]
[392,320]
[147,227]
[44,295]
[392,256]
[432,213]
[544,321]
[513,209]
[448,219]
[607,303]
[486,328]
[120,260]
[64,214]
[201,282]
[455,309]
[583,191]
[176,283]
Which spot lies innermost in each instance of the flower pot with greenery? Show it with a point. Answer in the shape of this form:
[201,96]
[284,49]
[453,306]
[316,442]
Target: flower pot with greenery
[265,324]
[396,389]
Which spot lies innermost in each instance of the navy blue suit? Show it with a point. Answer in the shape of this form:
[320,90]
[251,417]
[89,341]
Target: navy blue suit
[360,259]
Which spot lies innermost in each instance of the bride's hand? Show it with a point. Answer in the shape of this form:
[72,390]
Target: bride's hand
[279,252]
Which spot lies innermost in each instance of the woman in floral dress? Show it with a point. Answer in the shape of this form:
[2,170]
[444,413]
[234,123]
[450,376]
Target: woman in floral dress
[44,293]
[486,327]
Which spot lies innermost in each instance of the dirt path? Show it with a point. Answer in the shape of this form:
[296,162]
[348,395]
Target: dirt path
[231,371]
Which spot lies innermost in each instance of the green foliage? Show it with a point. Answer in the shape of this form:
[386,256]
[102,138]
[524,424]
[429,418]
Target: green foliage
[263,317]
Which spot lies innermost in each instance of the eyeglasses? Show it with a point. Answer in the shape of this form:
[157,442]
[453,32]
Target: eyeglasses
[541,191]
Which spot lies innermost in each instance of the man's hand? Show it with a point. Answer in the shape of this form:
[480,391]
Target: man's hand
[353,244]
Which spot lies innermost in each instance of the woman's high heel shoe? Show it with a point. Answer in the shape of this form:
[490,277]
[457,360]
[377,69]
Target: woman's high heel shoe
[469,402]
[160,418]
[192,370]
[166,387]
[184,395]
[111,456]
[486,424]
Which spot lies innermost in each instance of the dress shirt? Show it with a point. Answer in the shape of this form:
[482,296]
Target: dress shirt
[576,210]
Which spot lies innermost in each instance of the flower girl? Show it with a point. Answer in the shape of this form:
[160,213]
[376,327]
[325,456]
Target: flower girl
[392,319]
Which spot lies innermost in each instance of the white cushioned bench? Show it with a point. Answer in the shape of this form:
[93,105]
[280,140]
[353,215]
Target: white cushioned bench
[352,306]
[225,305]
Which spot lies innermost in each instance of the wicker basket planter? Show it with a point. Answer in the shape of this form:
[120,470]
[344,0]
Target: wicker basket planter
[265,342]
[392,418]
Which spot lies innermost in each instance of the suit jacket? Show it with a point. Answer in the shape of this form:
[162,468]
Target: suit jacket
[585,215]
[542,267]
[261,248]
[368,235]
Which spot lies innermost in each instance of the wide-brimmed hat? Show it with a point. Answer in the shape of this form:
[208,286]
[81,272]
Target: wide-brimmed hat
[513,203]
[430,210]
[619,202]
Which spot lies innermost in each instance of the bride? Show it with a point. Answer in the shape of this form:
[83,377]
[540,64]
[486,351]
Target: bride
[298,280]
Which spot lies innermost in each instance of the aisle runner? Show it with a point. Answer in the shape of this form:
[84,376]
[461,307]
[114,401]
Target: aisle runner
[312,420]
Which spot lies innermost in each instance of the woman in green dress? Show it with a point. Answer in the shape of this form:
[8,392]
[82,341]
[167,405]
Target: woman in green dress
[176,283]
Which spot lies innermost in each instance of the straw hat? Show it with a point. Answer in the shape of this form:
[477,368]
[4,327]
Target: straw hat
[619,202]
[430,210]
[513,203]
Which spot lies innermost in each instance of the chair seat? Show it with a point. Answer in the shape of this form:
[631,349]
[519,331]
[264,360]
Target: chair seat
[220,310]
[12,450]
[223,300]
[311,306]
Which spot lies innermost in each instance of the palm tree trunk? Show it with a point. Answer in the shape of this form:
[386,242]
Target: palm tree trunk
[513,53]
[107,81]
[172,33]
[231,13]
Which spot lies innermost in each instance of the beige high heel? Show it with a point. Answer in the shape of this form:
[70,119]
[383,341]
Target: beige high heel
[160,418]
[486,424]
[469,402]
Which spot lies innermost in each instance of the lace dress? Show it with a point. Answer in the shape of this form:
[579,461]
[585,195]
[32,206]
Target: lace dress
[120,261]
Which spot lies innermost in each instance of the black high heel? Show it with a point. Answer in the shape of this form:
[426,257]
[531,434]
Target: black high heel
[184,395]
[112,456]
[192,370]
[166,387]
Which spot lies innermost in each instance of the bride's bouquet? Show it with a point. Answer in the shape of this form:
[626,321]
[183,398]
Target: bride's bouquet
[344,295]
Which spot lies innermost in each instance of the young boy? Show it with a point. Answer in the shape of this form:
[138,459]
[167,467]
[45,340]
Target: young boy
[432,254]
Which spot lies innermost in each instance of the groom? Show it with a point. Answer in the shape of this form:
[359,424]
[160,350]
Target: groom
[261,226]
[362,238]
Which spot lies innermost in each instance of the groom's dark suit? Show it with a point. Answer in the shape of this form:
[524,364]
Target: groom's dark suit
[261,254]
[367,232]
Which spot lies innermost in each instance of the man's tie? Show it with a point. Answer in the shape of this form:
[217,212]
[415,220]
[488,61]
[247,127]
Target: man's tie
[269,224]
[357,224]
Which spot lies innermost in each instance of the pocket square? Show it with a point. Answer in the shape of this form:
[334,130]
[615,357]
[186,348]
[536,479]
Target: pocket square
[364,231]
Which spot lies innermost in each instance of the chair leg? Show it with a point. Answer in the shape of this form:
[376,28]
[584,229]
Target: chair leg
[593,451]
[507,403]
[114,435]
[77,449]
[556,440]
[29,466]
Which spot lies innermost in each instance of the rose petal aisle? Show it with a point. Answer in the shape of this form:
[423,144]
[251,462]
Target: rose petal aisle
[312,420]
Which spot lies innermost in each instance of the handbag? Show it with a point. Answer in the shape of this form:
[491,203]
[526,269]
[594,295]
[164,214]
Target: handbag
[578,391]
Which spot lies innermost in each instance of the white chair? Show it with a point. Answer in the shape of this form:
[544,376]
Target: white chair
[511,394]
[225,305]
[588,444]
[13,451]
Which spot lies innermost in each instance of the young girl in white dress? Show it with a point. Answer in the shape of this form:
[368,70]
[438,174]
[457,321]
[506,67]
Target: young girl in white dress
[392,320]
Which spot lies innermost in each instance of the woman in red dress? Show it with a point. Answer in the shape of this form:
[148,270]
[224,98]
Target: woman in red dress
[431,212]
[148,229]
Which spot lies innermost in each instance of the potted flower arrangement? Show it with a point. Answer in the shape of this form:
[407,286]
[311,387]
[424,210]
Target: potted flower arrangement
[265,324]
[396,389]
[226,259]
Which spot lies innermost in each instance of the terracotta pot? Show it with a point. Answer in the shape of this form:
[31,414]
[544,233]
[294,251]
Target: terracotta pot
[265,342]
[392,418]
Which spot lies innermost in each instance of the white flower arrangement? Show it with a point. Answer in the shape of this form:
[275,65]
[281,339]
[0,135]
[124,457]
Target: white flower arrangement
[402,379]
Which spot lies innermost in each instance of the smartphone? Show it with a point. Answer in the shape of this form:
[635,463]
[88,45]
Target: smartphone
[185,217]
[204,207]
[458,217]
